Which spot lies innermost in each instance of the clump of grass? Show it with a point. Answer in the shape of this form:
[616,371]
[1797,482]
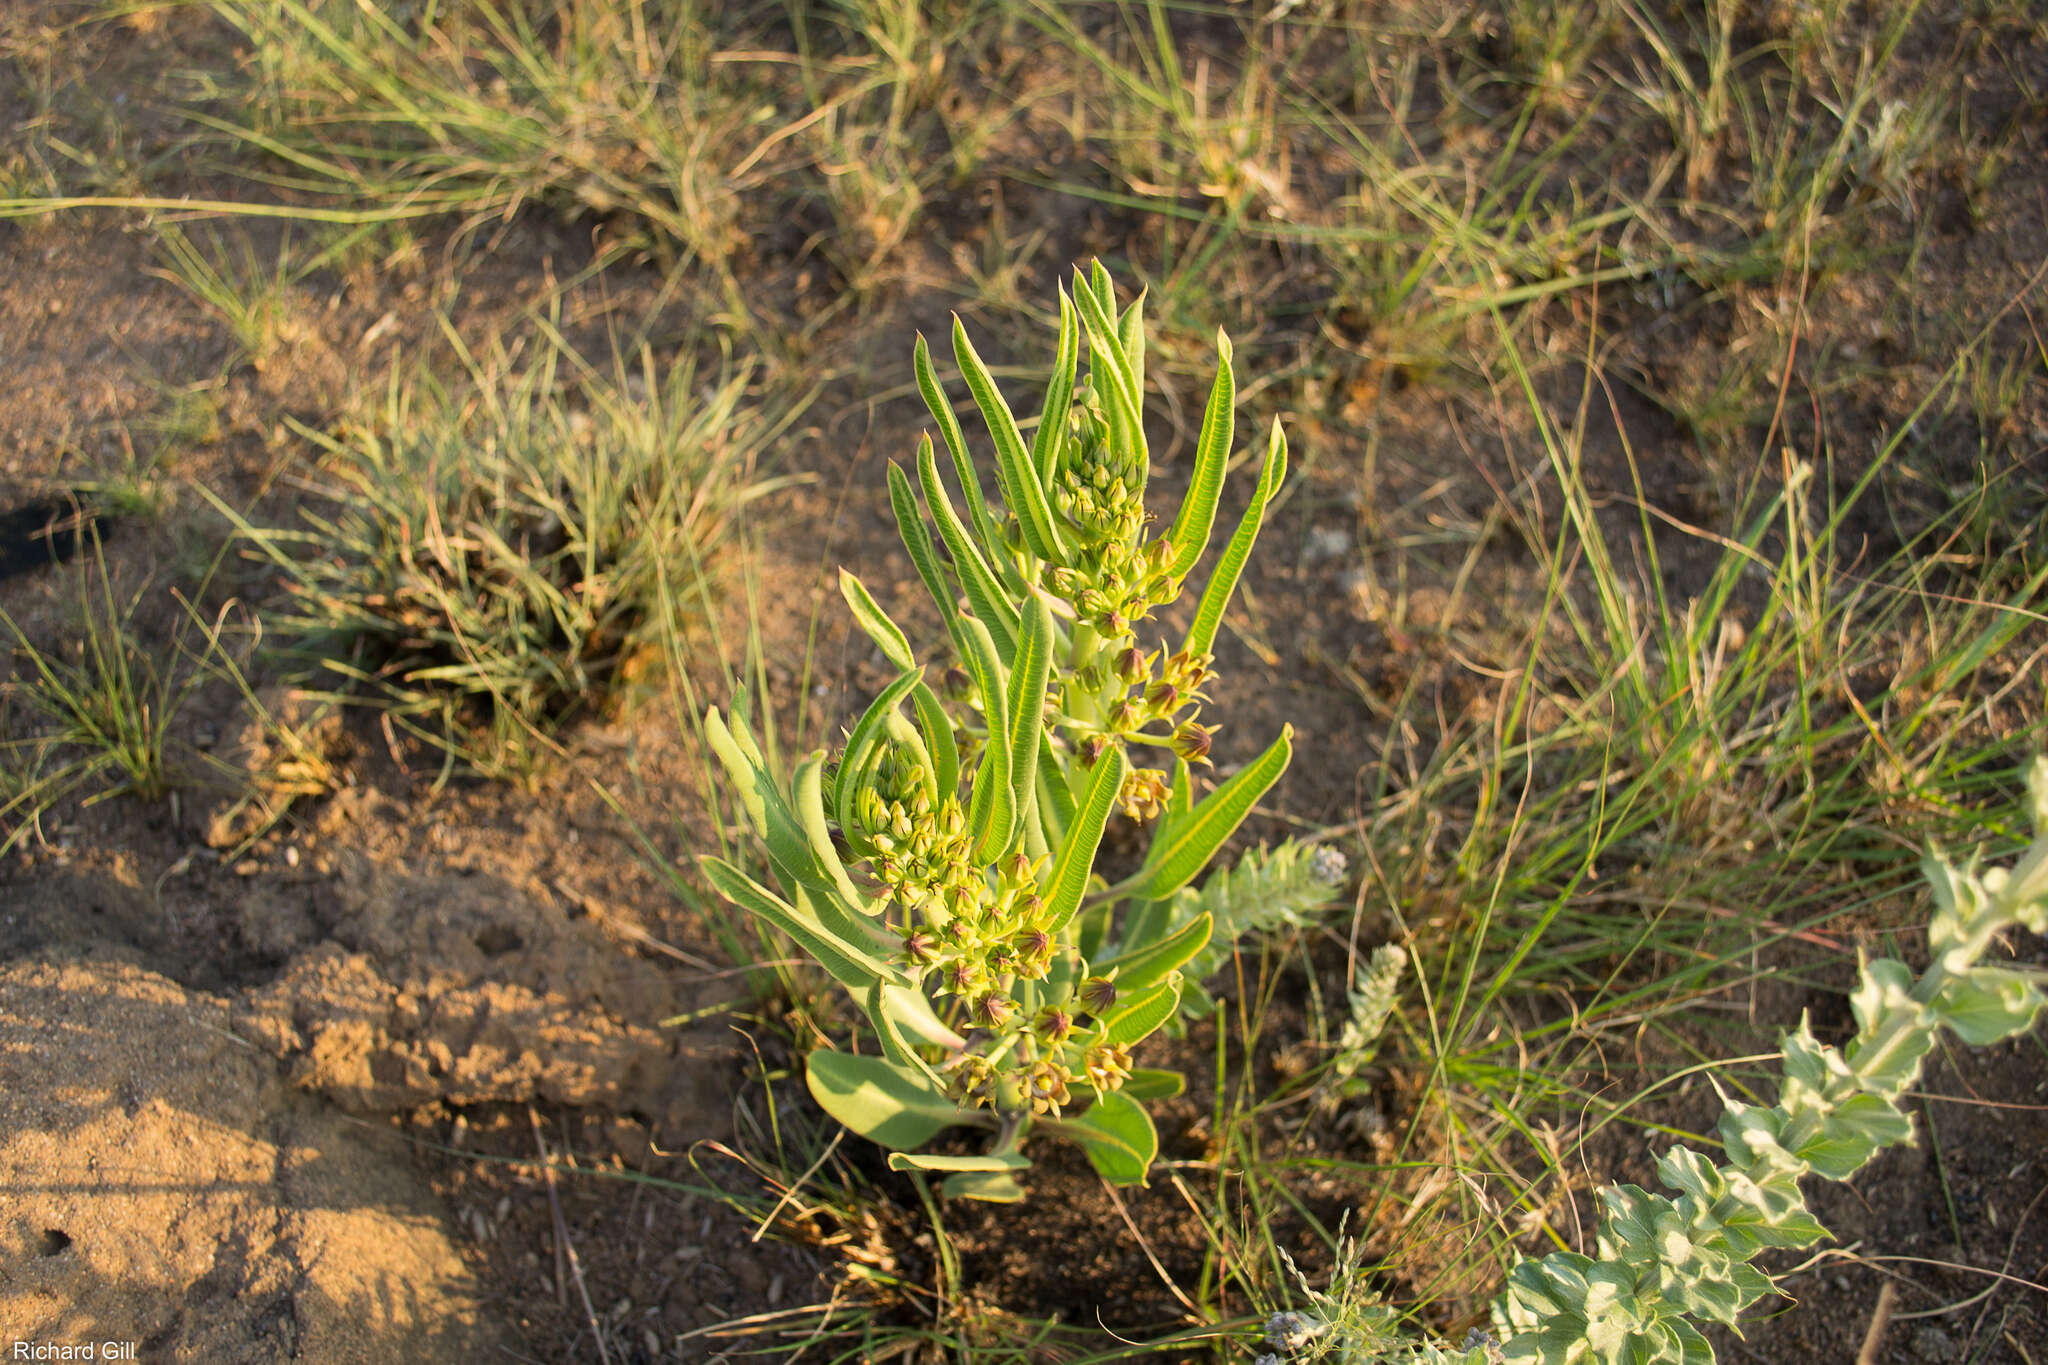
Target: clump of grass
[493,558]
[651,117]
[252,297]
[97,715]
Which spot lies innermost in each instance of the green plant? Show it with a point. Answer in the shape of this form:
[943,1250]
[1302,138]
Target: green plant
[1662,1262]
[942,866]
[98,714]
[253,300]
[496,558]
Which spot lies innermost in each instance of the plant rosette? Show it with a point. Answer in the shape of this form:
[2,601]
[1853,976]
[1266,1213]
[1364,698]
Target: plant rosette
[941,864]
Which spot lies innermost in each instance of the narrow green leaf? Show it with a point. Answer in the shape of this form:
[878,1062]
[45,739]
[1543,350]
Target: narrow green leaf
[956,447]
[913,1161]
[868,732]
[984,594]
[1068,881]
[810,813]
[1223,582]
[1127,427]
[1149,964]
[897,1048]
[848,965]
[910,1010]
[880,1100]
[894,644]
[1194,841]
[1132,1021]
[1059,396]
[1014,468]
[1190,533]
[788,844]
[1131,333]
[1118,1137]
[917,539]
[1055,801]
[938,740]
[1105,288]
[992,813]
[1025,726]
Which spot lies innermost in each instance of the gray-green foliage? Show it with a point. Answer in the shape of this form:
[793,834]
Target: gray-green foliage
[1267,890]
[941,864]
[1663,1262]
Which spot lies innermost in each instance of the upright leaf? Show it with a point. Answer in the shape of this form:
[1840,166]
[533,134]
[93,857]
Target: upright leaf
[917,539]
[992,810]
[1071,866]
[1174,861]
[1131,333]
[984,594]
[868,732]
[956,446]
[888,637]
[938,740]
[1059,396]
[1190,533]
[1127,426]
[1223,582]
[1014,468]
[810,813]
[1025,727]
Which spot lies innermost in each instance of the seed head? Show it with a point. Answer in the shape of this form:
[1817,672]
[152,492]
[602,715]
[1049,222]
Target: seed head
[964,977]
[1034,948]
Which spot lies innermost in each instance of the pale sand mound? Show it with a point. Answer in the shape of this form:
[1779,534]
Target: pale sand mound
[160,1185]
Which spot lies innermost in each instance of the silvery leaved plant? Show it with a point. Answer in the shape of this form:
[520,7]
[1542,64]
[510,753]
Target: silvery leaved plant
[1662,1263]
[941,864]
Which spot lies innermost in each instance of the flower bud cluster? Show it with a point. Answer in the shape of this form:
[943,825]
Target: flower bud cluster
[973,934]
[1117,576]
